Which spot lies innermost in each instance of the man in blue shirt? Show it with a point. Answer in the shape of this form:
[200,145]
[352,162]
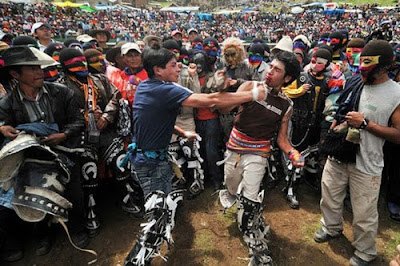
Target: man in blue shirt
[156,106]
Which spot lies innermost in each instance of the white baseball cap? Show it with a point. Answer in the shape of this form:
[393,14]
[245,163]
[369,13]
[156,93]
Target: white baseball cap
[85,38]
[130,46]
[37,25]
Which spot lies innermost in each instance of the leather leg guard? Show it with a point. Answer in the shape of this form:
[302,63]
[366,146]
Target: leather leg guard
[190,150]
[292,185]
[89,187]
[132,201]
[252,224]
[160,211]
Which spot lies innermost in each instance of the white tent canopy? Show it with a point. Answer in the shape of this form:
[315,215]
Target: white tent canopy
[180,9]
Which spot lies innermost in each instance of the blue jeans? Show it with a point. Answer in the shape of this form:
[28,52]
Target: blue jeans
[209,130]
[155,177]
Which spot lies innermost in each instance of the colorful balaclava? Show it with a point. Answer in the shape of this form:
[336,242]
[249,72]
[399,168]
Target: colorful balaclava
[173,46]
[353,52]
[184,56]
[95,61]
[376,56]
[74,63]
[52,73]
[197,43]
[320,60]
[256,55]
[211,46]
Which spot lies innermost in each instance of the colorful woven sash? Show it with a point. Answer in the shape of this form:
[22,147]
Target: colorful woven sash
[241,143]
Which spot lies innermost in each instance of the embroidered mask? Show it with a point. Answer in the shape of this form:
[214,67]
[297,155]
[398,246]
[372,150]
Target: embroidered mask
[334,43]
[299,45]
[368,63]
[51,73]
[184,58]
[97,63]
[197,45]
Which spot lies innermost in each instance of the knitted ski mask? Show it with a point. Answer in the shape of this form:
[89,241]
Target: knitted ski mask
[74,63]
[200,58]
[184,56]
[376,56]
[320,60]
[95,60]
[256,54]
[197,43]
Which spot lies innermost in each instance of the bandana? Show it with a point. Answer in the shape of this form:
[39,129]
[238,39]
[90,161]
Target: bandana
[353,55]
[78,66]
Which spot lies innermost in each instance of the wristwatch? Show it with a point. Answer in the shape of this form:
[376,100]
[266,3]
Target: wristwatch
[364,123]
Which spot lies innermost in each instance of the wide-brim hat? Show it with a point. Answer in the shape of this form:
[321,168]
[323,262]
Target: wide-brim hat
[22,56]
[149,38]
[94,32]
[44,57]
[284,44]
[113,52]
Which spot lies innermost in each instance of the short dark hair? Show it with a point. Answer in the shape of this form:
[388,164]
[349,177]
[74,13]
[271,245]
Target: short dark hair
[156,57]
[292,65]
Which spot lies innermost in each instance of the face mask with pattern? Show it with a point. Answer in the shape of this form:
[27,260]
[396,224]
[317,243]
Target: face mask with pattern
[197,46]
[353,55]
[184,58]
[77,66]
[51,73]
[334,43]
[318,65]
[369,67]
[231,56]
[200,62]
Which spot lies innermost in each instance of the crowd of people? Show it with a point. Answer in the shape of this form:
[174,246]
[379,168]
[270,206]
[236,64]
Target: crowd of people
[131,25]
[178,106]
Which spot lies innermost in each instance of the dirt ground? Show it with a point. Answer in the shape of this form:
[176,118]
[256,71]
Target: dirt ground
[204,235]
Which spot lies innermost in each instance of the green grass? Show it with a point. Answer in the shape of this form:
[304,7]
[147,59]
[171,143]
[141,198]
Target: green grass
[390,245]
[308,230]
[204,240]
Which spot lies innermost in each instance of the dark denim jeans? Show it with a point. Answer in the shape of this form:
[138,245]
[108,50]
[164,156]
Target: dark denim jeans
[210,132]
[155,177]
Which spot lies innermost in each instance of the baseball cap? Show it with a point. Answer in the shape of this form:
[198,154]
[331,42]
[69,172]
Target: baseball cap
[130,46]
[37,25]
[176,32]
[192,29]
[85,38]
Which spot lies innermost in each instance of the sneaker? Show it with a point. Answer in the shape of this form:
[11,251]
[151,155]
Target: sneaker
[321,236]
[357,261]
[292,201]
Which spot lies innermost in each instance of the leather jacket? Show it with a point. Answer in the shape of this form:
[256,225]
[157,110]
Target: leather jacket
[65,110]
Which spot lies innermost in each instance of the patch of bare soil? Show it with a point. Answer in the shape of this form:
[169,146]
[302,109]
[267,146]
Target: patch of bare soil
[204,235]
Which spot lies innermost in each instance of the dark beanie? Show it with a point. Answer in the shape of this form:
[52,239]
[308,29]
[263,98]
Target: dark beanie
[69,53]
[53,47]
[210,39]
[25,40]
[356,43]
[325,46]
[382,48]
[324,35]
[184,51]
[323,53]
[91,52]
[171,44]
[336,35]
[68,42]
[257,48]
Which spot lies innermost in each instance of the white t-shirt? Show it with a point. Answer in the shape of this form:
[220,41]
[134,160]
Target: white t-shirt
[377,103]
